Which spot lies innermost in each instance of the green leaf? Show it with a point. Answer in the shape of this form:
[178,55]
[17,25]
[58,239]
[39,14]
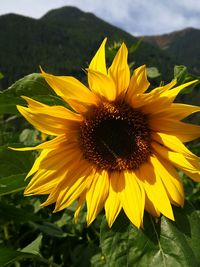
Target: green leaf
[14,165]
[163,244]
[8,103]
[112,50]
[49,229]
[33,247]
[12,184]
[153,72]
[30,85]
[29,137]
[1,76]
[17,215]
[98,260]
[135,46]
[8,256]
[33,85]
[188,222]
[15,162]
[182,76]
[83,255]
[180,73]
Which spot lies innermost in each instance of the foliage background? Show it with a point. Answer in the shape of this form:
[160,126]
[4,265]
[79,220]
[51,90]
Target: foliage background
[34,236]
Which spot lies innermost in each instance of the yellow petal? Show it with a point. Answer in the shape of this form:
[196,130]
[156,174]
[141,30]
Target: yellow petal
[47,123]
[170,180]
[191,167]
[96,195]
[33,103]
[150,207]
[119,70]
[52,144]
[74,184]
[98,62]
[154,189]
[57,158]
[54,111]
[172,94]
[165,99]
[113,203]
[37,162]
[151,100]
[194,176]
[78,106]
[173,143]
[138,83]
[70,88]
[133,198]
[51,163]
[44,181]
[102,85]
[52,196]
[175,111]
[183,131]
[79,206]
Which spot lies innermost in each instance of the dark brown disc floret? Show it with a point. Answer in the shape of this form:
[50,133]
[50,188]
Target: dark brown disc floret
[115,137]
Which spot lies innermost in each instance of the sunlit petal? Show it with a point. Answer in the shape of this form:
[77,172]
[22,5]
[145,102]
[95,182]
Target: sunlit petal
[119,70]
[98,63]
[190,167]
[184,131]
[173,143]
[70,88]
[138,83]
[133,198]
[102,85]
[118,147]
[113,204]
[155,189]
[46,123]
[96,195]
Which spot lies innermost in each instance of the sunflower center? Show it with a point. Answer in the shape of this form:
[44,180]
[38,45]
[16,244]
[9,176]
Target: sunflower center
[115,136]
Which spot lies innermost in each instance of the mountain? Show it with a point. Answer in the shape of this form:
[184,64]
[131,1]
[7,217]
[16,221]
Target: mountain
[182,45]
[63,42]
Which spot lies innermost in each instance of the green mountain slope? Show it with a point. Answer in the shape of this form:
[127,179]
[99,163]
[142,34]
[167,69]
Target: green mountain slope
[63,42]
[182,45]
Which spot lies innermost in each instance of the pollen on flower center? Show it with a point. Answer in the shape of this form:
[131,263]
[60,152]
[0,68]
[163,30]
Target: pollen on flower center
[115,136]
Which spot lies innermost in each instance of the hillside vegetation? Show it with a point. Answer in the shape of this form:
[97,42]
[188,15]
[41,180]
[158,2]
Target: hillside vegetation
[182,45]
[63,41]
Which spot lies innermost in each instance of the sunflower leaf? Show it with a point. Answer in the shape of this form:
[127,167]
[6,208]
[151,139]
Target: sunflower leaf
[9,256]
[29,137]
[33,247]
[164,243]
[153,72]
[9,212]
[48,228]
[14,162]
[182,75]
[14,166]
[1,75]
[12,184]
[33,85]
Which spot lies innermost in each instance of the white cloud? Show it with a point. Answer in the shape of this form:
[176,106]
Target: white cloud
[189,5]
[33,8]
[134,16]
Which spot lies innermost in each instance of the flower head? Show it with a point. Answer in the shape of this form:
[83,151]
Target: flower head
[119,149]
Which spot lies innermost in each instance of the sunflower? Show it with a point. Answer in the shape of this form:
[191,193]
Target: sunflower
[118,147]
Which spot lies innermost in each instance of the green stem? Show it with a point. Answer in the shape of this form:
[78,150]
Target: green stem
[6,234]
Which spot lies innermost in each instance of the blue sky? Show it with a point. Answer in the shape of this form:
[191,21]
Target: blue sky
[138,17]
